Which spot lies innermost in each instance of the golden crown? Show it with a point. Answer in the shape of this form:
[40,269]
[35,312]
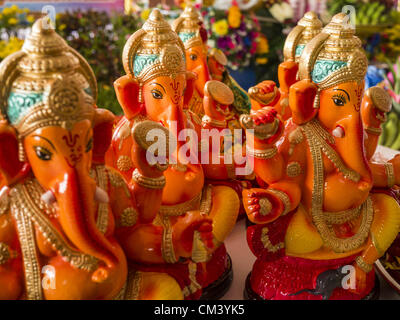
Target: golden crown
[307,28]
[154,50]
[334,56]
[47,83]
[187,26]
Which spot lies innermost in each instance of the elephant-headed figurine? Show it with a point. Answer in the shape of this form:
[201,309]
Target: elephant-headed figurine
[60,205]
[52,245]
[322,222]
[189,27]
[186,220]
[266,93]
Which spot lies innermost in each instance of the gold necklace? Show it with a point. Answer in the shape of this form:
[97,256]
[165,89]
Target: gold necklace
[316,136]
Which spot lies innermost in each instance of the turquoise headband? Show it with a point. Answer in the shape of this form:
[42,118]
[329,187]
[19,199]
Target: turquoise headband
[323,68]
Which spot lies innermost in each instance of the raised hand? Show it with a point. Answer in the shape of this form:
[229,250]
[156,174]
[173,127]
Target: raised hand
[261,205]
[266,124]
[266,93]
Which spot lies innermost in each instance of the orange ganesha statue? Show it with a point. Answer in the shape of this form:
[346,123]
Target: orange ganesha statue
[60,205]
[266,93]
[328,211]
[183,221]
[189,27]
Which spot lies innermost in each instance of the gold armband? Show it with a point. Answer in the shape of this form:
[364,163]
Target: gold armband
[284,198]
[150,183]
[213,122]
[390,174]
[4,253]
[363,265]
[262,154]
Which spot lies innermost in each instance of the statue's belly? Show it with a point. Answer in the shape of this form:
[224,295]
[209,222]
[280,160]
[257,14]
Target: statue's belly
[183,183]
[342,194]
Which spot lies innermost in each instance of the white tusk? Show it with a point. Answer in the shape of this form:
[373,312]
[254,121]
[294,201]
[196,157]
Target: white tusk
[101,196]
[4,192]
[48,197]
[338,132]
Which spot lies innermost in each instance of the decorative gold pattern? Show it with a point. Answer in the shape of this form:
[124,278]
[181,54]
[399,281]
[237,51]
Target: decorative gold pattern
[102,211]
[265,206]
[380,98]
[181,208]
[157,39]
[47,65]
[316,140]
[219,92]
[213,122]
[206,200]
[25,206]
[146,182]
[117,181]
[307,28]
[341,217]
[194,285]
[133,284]
[27,242]
[363,265]
[284,198]
[167,247]
[267,242]
[390,174]
[219,56]
[262,154]
[372,130]
[124,163]
[128,217]
[196,104]
[4,253]
[293,169]
[140,132]
[318,136]
[189,22]
[199,251]
[335,43]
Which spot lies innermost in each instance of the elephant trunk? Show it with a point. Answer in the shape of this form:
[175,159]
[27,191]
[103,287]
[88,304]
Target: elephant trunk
[349,138]
[75,197]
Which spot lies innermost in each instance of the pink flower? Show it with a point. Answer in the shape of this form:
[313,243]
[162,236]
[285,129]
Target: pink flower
[395,97]
[212,20]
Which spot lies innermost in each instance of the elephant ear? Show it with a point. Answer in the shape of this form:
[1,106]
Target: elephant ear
[11,169]
[102,134]
[127,91]
[301,101]
[287,74]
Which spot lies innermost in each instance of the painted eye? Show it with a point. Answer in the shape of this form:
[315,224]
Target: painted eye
[43,153]
[339,100]
[193,57]
[156,94]
[89,145]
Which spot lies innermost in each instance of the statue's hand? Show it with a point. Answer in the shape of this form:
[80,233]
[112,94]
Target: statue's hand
[265,93]
[261,205]
[139,160]
[184,229]
[266,124]
[148,164]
